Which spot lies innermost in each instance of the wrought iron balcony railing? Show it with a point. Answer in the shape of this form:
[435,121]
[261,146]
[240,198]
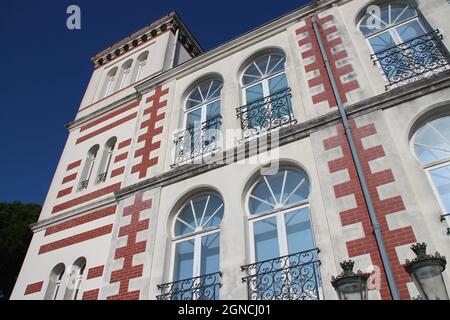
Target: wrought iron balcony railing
[83,185]
[267,113]
[292,277]
[102,177]
[413,60]
[206,287]
[195,142]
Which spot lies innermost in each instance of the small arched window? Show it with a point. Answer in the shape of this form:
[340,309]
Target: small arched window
[140,64]
[266,94]
[125,75]
[75,279]
[105,162]
[108,86]
[88,168]
[54,284]
[196,244]
[431,144]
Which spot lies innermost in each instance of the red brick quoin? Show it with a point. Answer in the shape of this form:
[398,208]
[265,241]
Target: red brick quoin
[319,64]
[151,131]
[367,244]
[130,271]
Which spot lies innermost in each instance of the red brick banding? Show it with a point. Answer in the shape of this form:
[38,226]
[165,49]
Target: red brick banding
[121,157]
[34,287]
[130,271]
[70,177]
[109,116]
[86,198]
[73,165]
[88,235]
[368,244]
[117,172]
[64,192]
[151,131]
[319,63]
[107,128]
[81,220]
[91,294]
[124,144]
[95,272]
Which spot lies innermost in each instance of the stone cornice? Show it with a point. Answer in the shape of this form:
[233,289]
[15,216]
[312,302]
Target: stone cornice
[170,22]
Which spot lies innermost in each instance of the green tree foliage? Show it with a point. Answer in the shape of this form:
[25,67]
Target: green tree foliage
[15,237]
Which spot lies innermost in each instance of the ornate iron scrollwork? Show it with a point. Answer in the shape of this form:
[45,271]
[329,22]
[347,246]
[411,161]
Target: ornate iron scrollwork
[413,60]
[291,277]
[83,185]
[195,142]
[102,177]
[267,113]
[206,287]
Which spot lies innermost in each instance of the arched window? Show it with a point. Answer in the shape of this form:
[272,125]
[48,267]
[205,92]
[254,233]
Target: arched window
[140,64]
[401,42]
[54,283]
[125,75]
[108,85]
[196,248]
[88,168]
[282,242]
[75,279]
[431,144]
[266,93]
[105,162]
[202,122]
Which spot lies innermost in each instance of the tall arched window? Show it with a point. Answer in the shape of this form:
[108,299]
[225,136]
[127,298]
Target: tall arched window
[202,122]
[401,42]
[75,279]
[282,242]
[266,94]
[108,85]
[125,75]
[431,144]
[54,283]
[88,168]
[196,248]
[140,64]
[105,162]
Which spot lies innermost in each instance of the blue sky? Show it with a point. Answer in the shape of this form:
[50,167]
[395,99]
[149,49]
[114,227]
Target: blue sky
[46,67]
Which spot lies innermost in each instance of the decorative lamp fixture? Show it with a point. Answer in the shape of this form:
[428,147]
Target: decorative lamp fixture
[426,272]
[350,285]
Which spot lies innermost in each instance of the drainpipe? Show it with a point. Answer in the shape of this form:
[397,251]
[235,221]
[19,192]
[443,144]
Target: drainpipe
[362,179]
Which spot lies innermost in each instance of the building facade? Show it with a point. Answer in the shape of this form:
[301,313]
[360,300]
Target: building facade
[229,174]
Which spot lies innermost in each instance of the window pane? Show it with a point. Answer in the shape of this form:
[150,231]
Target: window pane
[254,93]
[296,188]
[299,231]
[187,216]
[442,125]
[213,110]
[266,239]
[381,42]
[401,12]
[410,30]
[276,64]
[428,155]
[261,191]
[184,259]
[276,184]
[213,216]
[278,83]
[441,180]
[210,261]
[194,118]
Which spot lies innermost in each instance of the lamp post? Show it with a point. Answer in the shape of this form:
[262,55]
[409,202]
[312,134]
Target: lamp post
[426,272]
[350,285]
